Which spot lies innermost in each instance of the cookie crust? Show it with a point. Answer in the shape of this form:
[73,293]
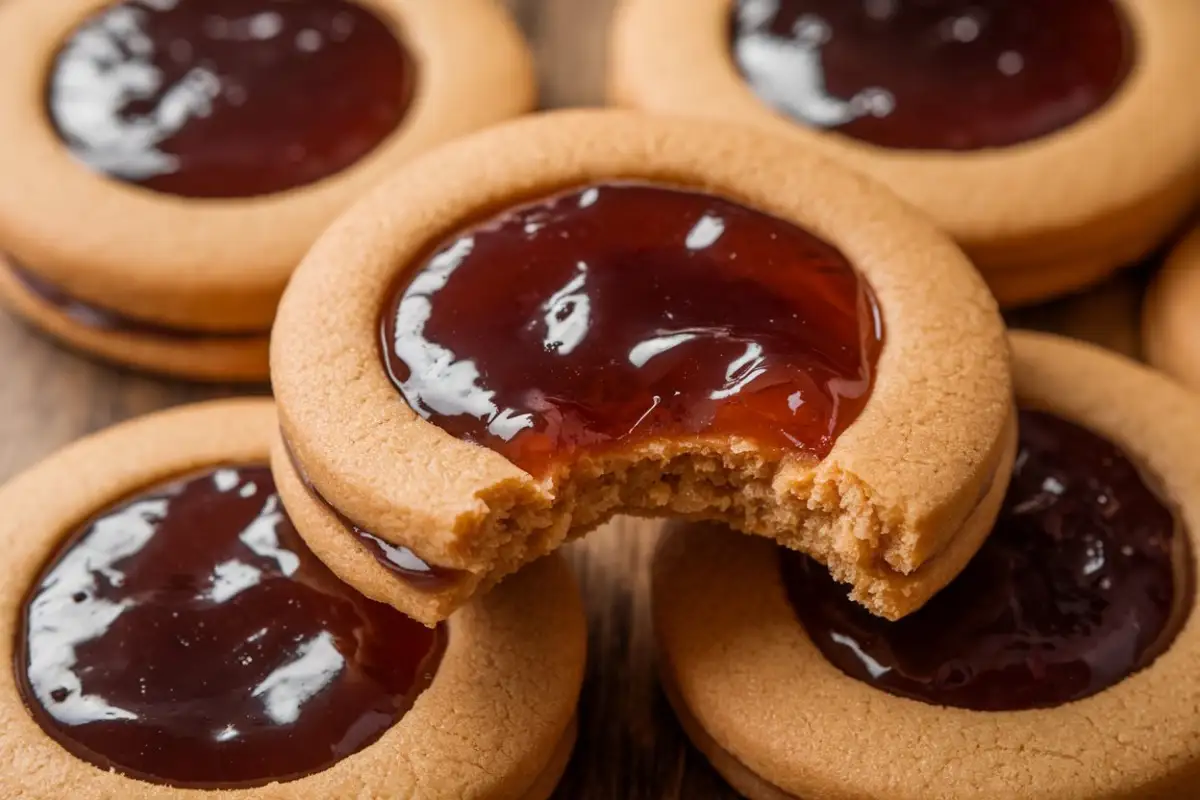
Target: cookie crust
[1170,333]
[781,721]
[497,721]
[1077,203]
[891,494]
[215,358]
[221,264]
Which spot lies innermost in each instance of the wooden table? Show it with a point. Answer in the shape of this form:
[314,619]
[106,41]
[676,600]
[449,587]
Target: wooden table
[630,747]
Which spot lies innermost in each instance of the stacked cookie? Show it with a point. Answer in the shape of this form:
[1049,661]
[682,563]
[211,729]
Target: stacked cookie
[173,636]
[1059,664]
[167,164]
[1049,142]
[627,315]
[910,554]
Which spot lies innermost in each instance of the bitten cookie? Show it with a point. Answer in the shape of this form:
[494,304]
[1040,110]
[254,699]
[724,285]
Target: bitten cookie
[589,313]
[1170,330]
[167,164]
[1061,663]
[1047,138]
[170,636]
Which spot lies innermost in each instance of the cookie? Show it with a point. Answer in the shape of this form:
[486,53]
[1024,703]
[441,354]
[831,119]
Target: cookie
[167,164]
[592,312]
[1060,664]
[1046,139]
[171,636]
[1169,330]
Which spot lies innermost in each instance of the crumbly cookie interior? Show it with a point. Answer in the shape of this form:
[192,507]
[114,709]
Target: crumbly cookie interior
[816,508]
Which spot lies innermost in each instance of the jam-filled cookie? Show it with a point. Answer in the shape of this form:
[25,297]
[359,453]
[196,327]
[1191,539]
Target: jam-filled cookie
[168,634]
[167,163]
[1047,138]
[1170,328]
[1060,665]
[589,313]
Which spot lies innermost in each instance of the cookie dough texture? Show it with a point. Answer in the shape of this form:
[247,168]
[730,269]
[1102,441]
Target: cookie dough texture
[215,264]
[1040,218]
[779,721]
[1171,318]
[498,721]
[889,500]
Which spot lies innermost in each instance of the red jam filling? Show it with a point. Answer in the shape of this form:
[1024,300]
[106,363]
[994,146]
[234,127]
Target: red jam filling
[186,636]
[618,314]
[934,74]
[1085,580]
[229,98]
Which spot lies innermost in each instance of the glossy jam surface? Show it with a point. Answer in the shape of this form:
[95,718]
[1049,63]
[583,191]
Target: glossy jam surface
[400,561]
[934,74]
[228,98]
[106,319]
[620,313]
[187,636]
[1085,580]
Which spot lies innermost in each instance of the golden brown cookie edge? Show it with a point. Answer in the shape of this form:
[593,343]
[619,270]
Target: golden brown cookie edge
[217,359]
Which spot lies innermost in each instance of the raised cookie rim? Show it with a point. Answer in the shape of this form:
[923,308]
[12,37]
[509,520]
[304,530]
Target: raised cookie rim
[524,640]
[1168,319]
[410,483]
[804,723]
[222,263]
[671,56]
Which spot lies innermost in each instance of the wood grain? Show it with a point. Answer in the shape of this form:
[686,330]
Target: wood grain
[630,747]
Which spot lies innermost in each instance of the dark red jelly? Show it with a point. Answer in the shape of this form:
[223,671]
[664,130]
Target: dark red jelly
[229,98]
[934,74]
[106,319]
[620,313]
[187,636]
[1085,580]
